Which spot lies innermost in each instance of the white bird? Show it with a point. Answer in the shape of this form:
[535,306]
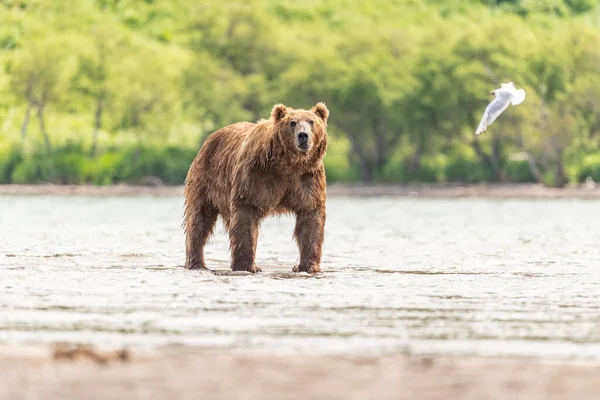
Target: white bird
[505,95]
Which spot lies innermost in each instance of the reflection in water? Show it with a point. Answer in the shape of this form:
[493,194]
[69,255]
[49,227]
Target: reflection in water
[426,276]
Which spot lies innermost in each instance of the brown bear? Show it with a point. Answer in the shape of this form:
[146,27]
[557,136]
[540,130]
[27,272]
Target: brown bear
[247,171]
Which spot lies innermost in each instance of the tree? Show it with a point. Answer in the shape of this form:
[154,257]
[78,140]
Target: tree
[40,74]
[363,80]
[146,88]
[238,60]
[96,69]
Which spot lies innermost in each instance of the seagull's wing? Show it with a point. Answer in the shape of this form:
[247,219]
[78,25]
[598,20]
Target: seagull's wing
[492,111]
[517,97]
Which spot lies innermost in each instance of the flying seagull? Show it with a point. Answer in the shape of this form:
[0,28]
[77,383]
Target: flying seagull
[505,95]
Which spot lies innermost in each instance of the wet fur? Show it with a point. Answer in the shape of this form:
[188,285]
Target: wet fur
[248,171]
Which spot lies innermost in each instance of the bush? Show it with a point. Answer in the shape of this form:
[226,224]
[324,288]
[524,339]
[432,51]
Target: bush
[176,164]
[518,171]
[102,170]
[463,165]
[589,166]
[10,157]
[26,171]
[131,165]
[394,169]
[433,168]
[64,168]
[338,169]
[68,165]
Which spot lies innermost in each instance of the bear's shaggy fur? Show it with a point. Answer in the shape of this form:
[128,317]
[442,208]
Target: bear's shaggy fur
[248,171]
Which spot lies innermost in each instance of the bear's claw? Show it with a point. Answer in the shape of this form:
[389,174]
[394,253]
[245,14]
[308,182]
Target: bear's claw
[311,270]
[255,269]
[195,266]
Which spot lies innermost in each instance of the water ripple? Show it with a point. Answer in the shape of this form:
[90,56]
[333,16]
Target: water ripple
[465,276]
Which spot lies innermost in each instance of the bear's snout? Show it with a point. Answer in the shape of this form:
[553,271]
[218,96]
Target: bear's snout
[303,143]
[303,135]
[302,138]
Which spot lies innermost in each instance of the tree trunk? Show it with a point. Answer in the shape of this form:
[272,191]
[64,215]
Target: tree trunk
[366,172]
[415,164]
[381,149]
[365,169]
[535,171]
[25,124]
[495,158]
[560,179]
[486,159]
[40,113]
[97,126]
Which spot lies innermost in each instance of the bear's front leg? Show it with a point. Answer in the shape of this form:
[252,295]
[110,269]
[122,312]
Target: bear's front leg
[243,235]
[310,233]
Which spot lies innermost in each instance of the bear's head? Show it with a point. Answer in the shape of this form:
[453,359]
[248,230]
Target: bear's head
[303,132]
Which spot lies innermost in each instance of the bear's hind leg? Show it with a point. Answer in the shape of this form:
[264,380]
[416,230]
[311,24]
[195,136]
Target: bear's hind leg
[199,226]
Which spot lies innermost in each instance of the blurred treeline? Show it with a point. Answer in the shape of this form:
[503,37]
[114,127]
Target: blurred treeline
[107,91]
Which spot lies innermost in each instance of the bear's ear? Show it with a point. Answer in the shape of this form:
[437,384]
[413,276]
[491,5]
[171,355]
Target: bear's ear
[321,110]
[279,111]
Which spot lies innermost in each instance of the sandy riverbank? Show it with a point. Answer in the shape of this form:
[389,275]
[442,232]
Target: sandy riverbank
[186,374]
[498,191]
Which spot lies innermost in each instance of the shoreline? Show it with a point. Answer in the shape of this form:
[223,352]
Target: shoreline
[188,373]
[441,191]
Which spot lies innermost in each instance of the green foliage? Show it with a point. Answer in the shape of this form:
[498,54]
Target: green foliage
[10,157]
[590,166]
[519,171]
[71,165]
[138,85]
[132,165]
[464,165]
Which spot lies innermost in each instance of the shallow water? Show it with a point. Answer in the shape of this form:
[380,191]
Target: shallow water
[468,276]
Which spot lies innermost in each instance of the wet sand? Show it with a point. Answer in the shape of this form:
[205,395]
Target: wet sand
[187,374]
[451,190]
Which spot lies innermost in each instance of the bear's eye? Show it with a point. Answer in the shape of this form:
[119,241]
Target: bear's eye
[293,123]
[311,122]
